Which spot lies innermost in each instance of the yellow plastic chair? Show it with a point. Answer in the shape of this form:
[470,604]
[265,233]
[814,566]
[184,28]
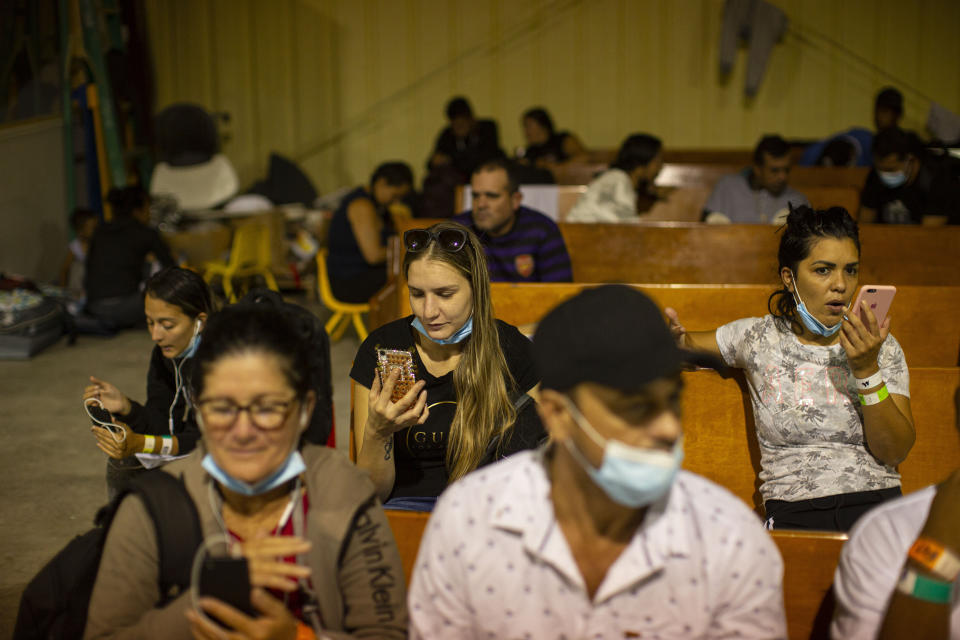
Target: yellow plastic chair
[343,312]
[249,256]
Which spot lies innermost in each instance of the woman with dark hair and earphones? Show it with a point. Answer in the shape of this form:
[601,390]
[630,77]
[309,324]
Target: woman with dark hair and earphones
[469,405]
[177,303]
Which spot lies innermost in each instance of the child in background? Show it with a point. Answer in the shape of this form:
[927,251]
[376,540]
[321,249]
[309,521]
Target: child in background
[83,222]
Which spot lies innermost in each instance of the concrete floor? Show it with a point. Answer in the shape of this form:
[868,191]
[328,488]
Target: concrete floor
[54,472]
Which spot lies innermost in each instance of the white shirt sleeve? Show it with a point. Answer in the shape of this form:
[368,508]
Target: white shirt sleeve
[731,339]
[893,366]
[438,602]
[862,584]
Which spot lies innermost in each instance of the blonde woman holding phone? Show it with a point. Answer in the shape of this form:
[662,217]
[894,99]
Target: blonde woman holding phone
[469,405]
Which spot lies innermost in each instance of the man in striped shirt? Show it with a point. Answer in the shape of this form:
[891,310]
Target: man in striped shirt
[522,245]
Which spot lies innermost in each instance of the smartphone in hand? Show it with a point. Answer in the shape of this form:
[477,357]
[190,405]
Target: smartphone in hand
[390,359]
[227,579]
[878,297]
[99,417]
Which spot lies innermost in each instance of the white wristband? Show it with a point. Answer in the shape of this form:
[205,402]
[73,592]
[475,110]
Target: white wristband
[869,383]
[167,445]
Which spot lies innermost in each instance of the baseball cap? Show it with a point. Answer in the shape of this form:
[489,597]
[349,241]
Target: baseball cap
[612,335]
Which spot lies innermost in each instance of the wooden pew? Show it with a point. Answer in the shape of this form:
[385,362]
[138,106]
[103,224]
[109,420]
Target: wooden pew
[695,253]
[681,204]
[407,527]
[809,559]
[720,441]
[705,307]
[706,175]
[729,455]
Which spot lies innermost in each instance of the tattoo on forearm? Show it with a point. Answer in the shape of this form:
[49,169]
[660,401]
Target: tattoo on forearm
[387,449]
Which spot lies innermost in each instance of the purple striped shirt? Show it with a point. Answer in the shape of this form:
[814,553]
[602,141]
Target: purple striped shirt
[532,251]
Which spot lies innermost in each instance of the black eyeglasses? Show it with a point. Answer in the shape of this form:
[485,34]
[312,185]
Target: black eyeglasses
[451,240]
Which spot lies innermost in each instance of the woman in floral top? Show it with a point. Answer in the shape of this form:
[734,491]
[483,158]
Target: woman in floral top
[829,386]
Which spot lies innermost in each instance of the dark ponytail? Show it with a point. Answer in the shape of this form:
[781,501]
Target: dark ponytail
[804,227]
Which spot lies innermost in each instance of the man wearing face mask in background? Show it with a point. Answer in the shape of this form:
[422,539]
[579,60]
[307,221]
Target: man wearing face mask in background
[900,189]
[600,532]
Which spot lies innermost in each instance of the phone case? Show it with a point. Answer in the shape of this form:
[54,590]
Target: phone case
[879,299]
[227,579]
[390,359]
[98,415]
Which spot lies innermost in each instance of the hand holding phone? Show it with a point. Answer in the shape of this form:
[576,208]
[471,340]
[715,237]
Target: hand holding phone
[227,579]
[390,359]
[878,299]
[99,417]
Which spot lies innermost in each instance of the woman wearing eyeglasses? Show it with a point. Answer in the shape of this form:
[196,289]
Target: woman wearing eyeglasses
[468,406]
[321,559]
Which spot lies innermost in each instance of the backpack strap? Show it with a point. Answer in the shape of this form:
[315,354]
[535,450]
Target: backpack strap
[177,526]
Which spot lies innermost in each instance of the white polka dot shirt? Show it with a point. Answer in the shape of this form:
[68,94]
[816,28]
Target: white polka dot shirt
[494,563]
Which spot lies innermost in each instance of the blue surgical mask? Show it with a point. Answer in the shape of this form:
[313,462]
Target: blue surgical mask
[893,179]
[292,467]
[811,323]
[459,336]
[631,476]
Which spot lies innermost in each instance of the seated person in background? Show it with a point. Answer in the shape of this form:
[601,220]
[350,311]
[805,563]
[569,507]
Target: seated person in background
[545,147]
[83,222]
[900,566]
[358,233]
[829,385]
[320,556]
[599,533]
[521,244]
[900,189]
[612,197]
[177,303]
[756,195]
[469,405]
[117,260]
[854,147]
[467,142]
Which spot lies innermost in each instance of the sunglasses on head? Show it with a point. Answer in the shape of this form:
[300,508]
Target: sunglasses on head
[451,240]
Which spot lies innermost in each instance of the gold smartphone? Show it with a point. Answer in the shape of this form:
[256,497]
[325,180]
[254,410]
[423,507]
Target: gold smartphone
[390,359]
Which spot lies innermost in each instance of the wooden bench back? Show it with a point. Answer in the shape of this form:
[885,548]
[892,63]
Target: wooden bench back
[720,441]
[729,455]
[683,174]
[694,253]
[682,204]
[706,307]
[809,559]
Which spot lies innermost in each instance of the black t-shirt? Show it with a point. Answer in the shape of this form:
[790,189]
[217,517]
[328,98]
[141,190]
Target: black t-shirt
[906,204]
[421,450]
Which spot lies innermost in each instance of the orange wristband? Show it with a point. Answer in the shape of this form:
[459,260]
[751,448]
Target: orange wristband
[304,632]
[935,558]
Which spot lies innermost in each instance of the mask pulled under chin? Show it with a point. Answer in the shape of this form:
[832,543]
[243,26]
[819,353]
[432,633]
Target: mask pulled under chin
[458,336]
[630,476]
[292,467]
[811,323]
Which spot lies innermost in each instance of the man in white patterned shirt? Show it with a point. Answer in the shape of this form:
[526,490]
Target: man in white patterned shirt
[598,535]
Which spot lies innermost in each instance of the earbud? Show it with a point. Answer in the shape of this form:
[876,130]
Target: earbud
[304,418]
[196,326]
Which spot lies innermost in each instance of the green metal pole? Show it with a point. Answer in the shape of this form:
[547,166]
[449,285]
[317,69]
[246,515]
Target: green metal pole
[67,106]
[111,136]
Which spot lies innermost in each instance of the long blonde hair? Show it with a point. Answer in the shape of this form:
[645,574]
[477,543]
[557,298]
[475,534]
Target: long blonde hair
[481,378]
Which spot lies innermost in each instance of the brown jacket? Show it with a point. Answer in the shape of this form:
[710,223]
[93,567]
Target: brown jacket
[356,569]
